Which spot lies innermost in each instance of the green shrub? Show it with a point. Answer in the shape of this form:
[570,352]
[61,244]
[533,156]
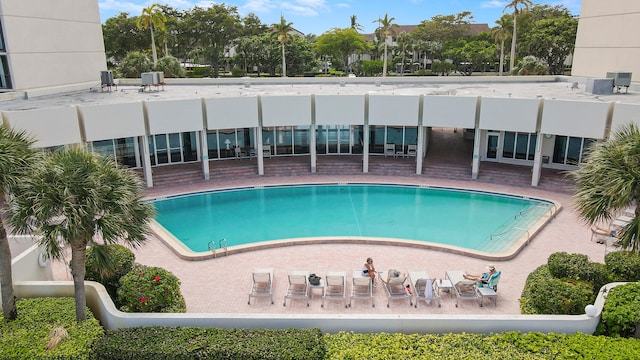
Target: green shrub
[544,294]
[237,72]
[200,72]
[106,264]
[508,345]
[26,337]
[134,64]
[621,313]
[578,267]
[623,265]
[198,343]
[170,66]
[150,289]
[564,265]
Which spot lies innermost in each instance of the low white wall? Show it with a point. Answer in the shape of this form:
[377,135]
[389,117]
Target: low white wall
[111,318]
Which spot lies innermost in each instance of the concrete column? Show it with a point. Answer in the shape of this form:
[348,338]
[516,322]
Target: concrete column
[475,163]
[204,147]
[419,151]
[146,162]
[259,152]
[312,137]
[537,161]
[365,149]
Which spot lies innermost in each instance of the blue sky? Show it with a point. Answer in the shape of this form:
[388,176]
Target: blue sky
[318,16]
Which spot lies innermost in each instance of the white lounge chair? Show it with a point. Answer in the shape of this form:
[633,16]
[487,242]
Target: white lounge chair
[361,288]
[335,287]
[396,287]
[262,284]
[298,287]
[424,287]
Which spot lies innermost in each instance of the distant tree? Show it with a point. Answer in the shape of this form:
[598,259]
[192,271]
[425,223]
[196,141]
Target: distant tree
[553,40]
[404,43]
[122,36]
[471,55]
[354,23]
[251,25]
[386,27]
[340,44]
[211,31]
[152,17]
[518,6]
[502,33]
[300,56]
[282,31]
[440,29]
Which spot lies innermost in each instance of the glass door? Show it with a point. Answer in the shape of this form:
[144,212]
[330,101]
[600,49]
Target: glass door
[493,141]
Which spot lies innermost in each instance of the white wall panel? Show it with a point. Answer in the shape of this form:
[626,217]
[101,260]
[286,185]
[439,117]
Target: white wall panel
[230,113]
[174,116]
[449,111]
[112,121]
[286,110]
[624,114]
[339,109]
[574,118]
[509,114]
[394,109]
[48,127]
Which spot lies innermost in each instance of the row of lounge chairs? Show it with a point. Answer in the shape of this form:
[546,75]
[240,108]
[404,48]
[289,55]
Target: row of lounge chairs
[415,286]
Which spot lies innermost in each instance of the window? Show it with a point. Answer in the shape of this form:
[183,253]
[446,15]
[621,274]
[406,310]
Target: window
[570,150]
[520,146]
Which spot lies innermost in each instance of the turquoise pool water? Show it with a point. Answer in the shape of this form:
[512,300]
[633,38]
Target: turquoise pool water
[474,220]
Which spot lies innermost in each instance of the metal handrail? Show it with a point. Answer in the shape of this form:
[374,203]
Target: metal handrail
[212,247]
[222,244]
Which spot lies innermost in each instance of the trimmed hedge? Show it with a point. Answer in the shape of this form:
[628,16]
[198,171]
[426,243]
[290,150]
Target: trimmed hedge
[623,265]
[119,261]
[160,343]
[509,345]
[621,313]
[26,337]
[150,289]
[578,267]
[545,294]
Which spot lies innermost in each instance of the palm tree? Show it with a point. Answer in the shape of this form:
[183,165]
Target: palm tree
[404,41]
[386,27]
[517,6]
[75,196]
[501,34]
[152,17]
[608,182]
[354,23]
[16,155]
[283,32]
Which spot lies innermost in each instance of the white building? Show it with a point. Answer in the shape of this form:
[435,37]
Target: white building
[50,43]
[607,39]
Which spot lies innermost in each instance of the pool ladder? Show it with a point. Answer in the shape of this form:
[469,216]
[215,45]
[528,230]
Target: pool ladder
[222,244]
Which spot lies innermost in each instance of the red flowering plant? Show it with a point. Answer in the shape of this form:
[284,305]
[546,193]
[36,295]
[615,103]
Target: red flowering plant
[150,289]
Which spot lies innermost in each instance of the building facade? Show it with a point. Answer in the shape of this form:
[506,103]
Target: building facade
[50,43]
[607,39]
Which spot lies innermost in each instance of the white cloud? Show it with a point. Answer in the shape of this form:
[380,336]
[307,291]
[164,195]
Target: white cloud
[258,6]
[493,4]
[299,10]
[312,3]
[343,5]
[121,6]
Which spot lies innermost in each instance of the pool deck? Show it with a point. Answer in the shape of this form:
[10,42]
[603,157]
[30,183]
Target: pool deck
[222,285]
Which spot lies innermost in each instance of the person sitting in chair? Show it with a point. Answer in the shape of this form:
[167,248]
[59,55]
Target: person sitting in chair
[484,278]
[369,270]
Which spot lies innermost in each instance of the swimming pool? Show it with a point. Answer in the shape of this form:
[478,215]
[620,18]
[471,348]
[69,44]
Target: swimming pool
[454,218]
